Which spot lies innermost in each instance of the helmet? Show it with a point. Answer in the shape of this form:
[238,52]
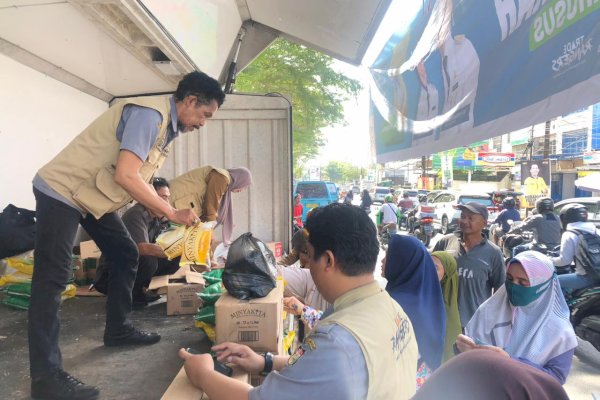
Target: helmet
[389,198]
[573,212]
[545,205]
[509,202]
[392,190]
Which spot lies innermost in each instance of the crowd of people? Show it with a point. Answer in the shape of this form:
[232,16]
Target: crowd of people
[459,308]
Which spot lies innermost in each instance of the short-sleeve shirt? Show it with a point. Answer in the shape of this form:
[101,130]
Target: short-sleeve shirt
[389,213]
[479,271]
[331,366]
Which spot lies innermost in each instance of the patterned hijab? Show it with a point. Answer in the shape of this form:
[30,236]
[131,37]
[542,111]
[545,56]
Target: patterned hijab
[538,331]
[450,293]
[413,283]
[240,178]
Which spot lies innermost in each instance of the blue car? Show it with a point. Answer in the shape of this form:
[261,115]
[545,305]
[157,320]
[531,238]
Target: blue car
[316,194]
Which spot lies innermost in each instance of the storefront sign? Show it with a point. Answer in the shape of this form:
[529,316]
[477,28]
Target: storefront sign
[591,157]
[495,159]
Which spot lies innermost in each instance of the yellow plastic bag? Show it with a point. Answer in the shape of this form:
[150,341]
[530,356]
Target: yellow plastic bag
[171,242]
[22,263]
[208,329]
[196,244]
[70,291]
[17,277]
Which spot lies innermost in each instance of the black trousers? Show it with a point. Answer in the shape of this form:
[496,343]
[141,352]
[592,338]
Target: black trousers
[148,267]
[56,229]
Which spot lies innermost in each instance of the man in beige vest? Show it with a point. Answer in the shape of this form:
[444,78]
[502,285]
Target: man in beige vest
[105,167]
[363,347]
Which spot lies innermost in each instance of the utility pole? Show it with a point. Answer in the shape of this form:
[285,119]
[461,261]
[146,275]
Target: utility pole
[547,140]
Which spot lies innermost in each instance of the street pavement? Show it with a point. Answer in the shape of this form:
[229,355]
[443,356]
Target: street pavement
[583,381]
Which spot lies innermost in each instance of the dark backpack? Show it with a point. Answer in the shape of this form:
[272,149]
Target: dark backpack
[587,253]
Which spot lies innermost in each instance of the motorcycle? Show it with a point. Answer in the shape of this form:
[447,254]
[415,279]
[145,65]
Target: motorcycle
[422,225]
[584,307]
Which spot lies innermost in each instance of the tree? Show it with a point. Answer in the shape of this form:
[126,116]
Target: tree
[317,92]
[341,172]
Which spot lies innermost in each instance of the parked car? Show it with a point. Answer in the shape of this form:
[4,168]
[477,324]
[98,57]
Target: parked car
[379,194]
[432,195]
[316,194]
[447,212]
[592,204]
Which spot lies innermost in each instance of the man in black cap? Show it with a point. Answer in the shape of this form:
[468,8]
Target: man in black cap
[480,263]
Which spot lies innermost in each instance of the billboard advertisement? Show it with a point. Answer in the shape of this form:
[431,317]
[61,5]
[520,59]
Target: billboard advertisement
[495,159]
[467,70]
[535,181]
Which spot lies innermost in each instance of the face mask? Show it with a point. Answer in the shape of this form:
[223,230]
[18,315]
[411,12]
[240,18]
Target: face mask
[520,296]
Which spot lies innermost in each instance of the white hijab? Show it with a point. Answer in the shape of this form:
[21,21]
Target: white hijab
[538,331]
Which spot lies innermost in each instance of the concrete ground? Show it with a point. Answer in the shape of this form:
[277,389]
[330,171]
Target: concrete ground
[124,373]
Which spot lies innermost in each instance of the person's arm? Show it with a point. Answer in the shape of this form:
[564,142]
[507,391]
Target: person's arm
[568,243]
[151,249]
[201,372]
[500,218]
[440,245]
[216,186]
[559,366]
[498,273]
[127,175]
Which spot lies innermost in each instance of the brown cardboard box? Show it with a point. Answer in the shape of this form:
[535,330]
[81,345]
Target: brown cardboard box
[256,323]
[182,389]
[182,290]
[276,248]
[88,249]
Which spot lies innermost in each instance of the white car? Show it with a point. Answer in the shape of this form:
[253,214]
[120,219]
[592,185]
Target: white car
[447,211]
[380,193]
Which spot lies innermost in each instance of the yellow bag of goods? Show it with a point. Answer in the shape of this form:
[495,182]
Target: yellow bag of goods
[17,277]
[208,329]
[22,263]
[171,241]
[70,291]
[196,244]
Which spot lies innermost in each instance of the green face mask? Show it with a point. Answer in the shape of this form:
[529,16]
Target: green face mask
[520,296]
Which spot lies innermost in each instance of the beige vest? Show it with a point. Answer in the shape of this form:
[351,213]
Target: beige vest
[83,172]
[188,190]
[385,336]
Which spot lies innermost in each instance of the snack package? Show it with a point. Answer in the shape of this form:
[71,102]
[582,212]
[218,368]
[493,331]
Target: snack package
[211,294]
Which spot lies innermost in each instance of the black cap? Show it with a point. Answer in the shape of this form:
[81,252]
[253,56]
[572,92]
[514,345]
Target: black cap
[476,208]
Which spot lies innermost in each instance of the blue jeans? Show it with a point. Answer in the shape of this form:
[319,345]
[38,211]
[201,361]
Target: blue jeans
[571,282]
[56,227]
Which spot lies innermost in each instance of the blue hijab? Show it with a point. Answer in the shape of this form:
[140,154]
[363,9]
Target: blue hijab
[413,283]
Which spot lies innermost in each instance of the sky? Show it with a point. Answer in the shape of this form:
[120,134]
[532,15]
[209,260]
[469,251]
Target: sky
[351,143]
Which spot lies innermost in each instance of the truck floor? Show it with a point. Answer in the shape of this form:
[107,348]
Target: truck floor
[131,372]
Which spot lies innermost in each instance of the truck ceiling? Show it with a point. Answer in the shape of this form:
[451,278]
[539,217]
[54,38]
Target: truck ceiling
[112,48]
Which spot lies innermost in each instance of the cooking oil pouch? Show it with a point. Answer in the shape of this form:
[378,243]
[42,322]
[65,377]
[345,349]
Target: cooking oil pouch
[18,302]
[211,294]
[18,289]
[206,314]
[208,329]
[171,241]
[22,263]
[213,276]
[196,244]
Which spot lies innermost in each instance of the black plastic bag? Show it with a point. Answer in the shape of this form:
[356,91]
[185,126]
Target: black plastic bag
[247,274]
[17,231]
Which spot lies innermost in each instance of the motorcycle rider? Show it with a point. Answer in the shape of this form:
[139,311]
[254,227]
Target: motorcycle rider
[389,220]
[509,213]
[544,225]
[573,217]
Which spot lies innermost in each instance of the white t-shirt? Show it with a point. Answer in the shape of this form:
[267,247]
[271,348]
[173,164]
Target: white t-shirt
[389,213]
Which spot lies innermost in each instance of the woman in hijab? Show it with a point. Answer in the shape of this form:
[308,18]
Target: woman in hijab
[527,319]
[413,283]
[365,201]
[207,190]
[445,264]
[482,374]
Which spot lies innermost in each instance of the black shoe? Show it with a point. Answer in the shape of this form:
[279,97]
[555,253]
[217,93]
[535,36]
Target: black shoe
[62,386]
[136,338]
[138,305]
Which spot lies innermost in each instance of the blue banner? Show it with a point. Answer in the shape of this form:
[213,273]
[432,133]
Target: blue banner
[467,70]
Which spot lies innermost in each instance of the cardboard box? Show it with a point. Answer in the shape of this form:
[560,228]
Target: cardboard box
[276,248]
[182,389]
[88,249]
[256,323]
[182,290]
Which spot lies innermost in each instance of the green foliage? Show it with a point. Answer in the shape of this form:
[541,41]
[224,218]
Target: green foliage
[317,92]
[341,172]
